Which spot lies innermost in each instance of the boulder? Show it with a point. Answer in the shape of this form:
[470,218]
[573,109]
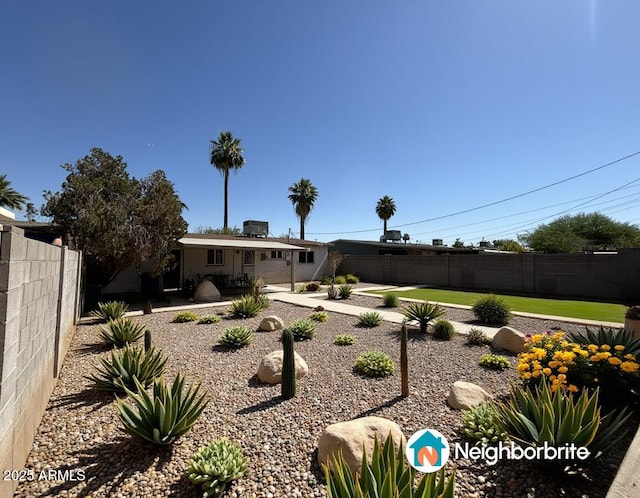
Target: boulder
[206,292]
[271,323]
[464,395]
[350,437]
[508,339]
[270,369]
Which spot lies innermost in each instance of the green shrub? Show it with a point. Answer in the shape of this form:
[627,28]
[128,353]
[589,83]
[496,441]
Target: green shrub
[387,475]
[326,280]
[209,319]
[494,362]
[344,340]
[319,316]
[263,301]
[443,330]
[492,309]
[345,291]
[164,415]
[247,306]
[351,279]
[481,424]
[369,319]
[302,329]
[111,310]
[477,337]
[390,300]
[332,293]
[375,364]
[124,365]
[213,467]
[609,336]
[236,337]
[340,280]
[422,312]
[185,316]
[121,332]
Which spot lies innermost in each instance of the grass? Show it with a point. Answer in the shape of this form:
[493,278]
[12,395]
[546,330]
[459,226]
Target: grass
[604,312]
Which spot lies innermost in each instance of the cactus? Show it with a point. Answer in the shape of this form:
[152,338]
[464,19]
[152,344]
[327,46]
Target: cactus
[288,366]
[404,363]
[147,340]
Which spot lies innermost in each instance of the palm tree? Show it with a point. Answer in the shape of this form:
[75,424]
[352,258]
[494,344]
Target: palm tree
[385,209]
[303,195]
[8,197]
[226,155]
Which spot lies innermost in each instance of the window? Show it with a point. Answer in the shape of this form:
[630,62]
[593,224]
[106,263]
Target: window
[215,257]
[249,258]
[305,257]
[277,255]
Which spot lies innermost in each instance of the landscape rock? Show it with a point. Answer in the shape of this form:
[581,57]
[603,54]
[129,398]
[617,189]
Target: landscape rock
[350,436]
[206,292]
[270,369]
[271,323]
[465,395]
[509,339]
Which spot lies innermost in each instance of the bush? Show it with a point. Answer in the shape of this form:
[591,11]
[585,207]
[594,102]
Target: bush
[633,312]
[247,306]
[477,337]
[236,337]
[422,312]
[494,362]
[370,319]
[121,332]
[209,319]
[443,330]
[164,415]
[312,287]
[332,293]
[481,424]
[492,309]
[390,300]
[326,280]
[111,310]
[345,291]
[213,467]
[375,364]
[118,372]
[340,280]
[344,340]
[351,279]
[185,316]
[302,329]
[319,316]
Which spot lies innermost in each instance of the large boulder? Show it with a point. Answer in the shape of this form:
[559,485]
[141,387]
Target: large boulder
[271,323]
[350,437]
[206,292]
[270,368]
[465,395]
[508,339]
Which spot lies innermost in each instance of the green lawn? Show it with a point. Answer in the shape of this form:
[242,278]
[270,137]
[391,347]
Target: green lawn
[604,312]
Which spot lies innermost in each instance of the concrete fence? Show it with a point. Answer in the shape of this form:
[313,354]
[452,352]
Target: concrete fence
[609,277]
[39,308]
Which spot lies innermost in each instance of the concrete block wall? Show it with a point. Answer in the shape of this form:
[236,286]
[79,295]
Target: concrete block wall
[39,295]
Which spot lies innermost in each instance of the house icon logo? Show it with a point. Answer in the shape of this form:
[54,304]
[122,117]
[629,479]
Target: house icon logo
[427,450]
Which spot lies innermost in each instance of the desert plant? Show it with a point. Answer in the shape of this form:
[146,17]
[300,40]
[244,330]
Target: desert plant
[443,330]
[492,309]
[236,337]
[302,329]
[387,475]
[609,336]
[350,278]
[209,319]
[481,424]
[369,319]
[477,337]
[246,307]
[111,310]
[185,316]
[121,332]
[326,280]
[345,291]
[164,415]
[390,300]
[214,466]
[422,312]
[344,340]
[263,301]
[332,292]
[340,280]
[375,364]
[124,365]
[288,384]
[312,287]
[319,316]
[494,361]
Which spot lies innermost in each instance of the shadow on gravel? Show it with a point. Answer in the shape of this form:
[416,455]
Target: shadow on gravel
[413,335]
[263,405]
[86,397]
[96,348]
[185,488]
[379,408]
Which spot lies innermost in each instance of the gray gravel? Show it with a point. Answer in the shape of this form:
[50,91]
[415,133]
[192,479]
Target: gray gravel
[79,431]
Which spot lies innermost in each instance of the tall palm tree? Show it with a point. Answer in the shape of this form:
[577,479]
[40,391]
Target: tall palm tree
[226,155]
[9,197]
[385,209]
[303,195]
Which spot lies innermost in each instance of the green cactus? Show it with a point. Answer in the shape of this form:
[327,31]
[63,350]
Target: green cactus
[288,366]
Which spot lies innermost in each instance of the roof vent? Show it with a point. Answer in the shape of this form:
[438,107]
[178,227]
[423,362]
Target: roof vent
[252,228]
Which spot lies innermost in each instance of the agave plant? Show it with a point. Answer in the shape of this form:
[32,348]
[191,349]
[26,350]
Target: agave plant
[388,475]
[125,365]
[111,310]
[422,312]
[236,337]
[121,332]
[247,306]
[164,415]
[214,466]
[302,329]
[606,335]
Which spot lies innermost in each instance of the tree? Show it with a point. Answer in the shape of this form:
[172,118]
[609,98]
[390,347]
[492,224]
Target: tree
[458,244]
[225,155]
[385,209]
[593,231]
[335,258]
[303,195]
[9,198]
[219,231]
[116,220]
[508,245]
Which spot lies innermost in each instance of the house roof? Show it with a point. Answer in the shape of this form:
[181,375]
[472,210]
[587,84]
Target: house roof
[251,243]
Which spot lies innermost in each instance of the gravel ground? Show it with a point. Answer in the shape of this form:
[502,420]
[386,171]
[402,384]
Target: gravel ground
[79,431]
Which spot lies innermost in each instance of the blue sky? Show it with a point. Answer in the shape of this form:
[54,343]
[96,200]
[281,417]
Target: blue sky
[444,106]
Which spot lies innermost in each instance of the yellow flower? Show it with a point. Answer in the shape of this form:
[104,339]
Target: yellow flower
[615,361]
[605,347]
[535,374]
[547,371]
[595,357]
[592,348]
[619,347]
[629,357]
[523,366]
[554,364]
[583,353]
[563,369]
[604,355]
[562,377]
[629,366]
[573,389]
[536,338]
[526,375]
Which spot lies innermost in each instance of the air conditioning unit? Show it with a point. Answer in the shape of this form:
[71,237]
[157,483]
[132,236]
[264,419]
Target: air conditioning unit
[484,243]
[393,235]
[252,228]
[437,242]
